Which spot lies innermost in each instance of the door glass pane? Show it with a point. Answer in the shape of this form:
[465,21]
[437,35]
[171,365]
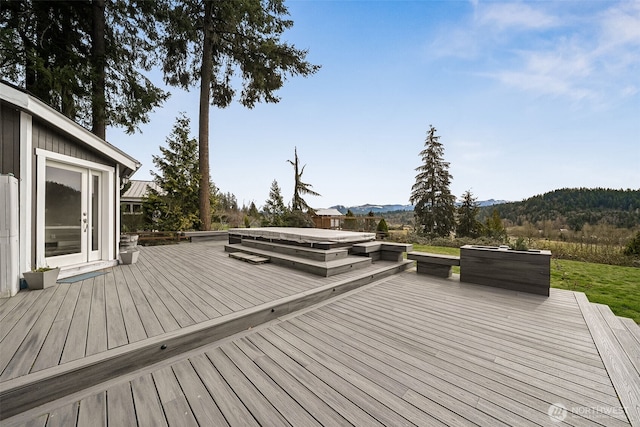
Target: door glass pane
[63,212]
[95,212]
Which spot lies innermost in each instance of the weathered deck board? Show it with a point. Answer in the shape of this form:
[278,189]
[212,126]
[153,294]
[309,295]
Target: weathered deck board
[16,336]
[260,408]
[145,397]
[64,416]
[433,353]
[234,411]
[76,342]
[93,410]
[28,349]
[97,329]
[116,331]
[51,351]
[202,404]
[130,317]
[120,408]
[176,407]
[407,350]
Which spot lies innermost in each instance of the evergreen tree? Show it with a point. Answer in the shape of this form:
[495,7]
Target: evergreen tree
[633,247]
[274,208]
[175,206]
[210,43]
[434,204]
[383,228]
[350,222]
[85,59]
[299,187]
[468,224]
[494,227]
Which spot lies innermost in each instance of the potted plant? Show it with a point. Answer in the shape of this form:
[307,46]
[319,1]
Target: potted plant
[41,278]
[130,256]
[128,241]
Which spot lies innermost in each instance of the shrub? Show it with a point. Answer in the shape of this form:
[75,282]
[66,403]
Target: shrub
[633,247]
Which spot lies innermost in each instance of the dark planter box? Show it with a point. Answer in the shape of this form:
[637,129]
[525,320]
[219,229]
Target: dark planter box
[525,271]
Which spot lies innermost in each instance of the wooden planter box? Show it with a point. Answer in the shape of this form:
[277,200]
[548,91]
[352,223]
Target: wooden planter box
[41,279]
[525,271]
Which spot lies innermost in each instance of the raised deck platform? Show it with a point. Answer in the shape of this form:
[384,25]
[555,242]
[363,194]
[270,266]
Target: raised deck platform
[317,251]
[311,237]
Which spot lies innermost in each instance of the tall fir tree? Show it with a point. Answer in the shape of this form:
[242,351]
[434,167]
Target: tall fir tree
[85,58]
[215,44]
[468,224]
[175,206]
[434,210]
[274,208]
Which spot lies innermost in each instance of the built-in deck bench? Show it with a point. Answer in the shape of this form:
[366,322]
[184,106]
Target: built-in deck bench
[382,250]
[434,264]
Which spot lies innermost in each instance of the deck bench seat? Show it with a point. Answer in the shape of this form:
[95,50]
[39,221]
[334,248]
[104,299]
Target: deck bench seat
[434,264]
[387,251]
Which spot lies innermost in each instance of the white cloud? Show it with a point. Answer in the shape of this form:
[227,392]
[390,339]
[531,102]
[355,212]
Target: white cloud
[517,16]
[552,49]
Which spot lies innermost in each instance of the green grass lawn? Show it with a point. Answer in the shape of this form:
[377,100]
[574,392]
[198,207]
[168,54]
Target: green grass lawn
[617,287]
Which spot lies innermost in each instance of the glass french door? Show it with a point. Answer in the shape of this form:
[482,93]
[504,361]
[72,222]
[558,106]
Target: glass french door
[72,214]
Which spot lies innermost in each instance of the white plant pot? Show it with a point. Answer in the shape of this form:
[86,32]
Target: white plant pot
[41,279]
[129,257]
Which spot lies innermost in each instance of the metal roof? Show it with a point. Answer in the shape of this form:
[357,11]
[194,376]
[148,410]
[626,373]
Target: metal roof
[139,190]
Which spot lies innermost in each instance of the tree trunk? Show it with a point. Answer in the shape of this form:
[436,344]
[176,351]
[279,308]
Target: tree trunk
[203,123]
[98,51]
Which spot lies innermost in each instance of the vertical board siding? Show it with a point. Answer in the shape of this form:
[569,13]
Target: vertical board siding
[9,140]
[48,139]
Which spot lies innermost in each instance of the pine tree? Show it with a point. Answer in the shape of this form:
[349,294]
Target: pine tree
[434,204]
[274,209]
[494,227]
[468,224]
[350,222]
[84,58]
[175,206]
[299,187]
[215,44]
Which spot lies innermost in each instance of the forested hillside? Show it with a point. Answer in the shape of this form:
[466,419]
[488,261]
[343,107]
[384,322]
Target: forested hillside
[575,207]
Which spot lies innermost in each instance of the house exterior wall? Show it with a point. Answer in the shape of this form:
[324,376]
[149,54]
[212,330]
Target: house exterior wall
[49,139]
[31,135]
[9,140]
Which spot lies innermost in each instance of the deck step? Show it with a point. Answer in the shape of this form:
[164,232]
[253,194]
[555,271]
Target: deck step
[299,251]
[619,352]
[320,268]
[251,259]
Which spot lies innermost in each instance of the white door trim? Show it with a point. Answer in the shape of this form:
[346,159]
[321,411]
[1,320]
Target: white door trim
[107,211]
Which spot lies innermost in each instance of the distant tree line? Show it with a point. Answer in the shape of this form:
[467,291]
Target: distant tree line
[572,208]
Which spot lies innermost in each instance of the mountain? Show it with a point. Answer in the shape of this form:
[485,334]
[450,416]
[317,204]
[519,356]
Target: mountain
[365,209]
[377,209]
[491,202]
[574,207]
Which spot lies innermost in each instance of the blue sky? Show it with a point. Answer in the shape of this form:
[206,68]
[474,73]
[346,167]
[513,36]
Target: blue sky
[527,97]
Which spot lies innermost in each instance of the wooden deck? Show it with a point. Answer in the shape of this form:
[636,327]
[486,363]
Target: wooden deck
[404,350]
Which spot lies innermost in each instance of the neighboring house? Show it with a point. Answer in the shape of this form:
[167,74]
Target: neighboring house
[131,200]
[68,190]
[328,218]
